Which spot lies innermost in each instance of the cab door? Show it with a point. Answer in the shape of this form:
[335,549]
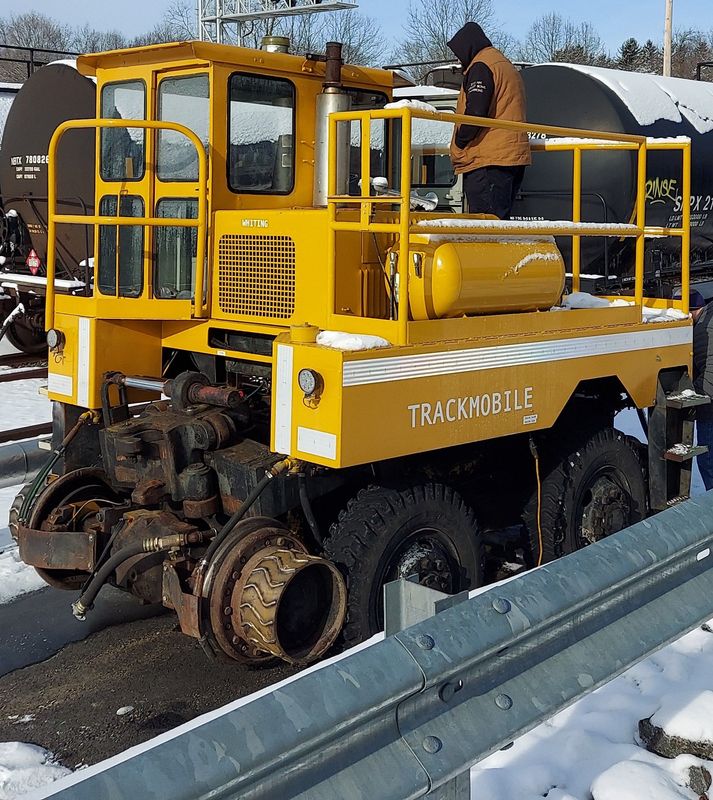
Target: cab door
[151,175]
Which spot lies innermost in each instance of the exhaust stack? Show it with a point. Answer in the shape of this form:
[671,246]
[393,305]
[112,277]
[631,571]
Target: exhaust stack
[332,99]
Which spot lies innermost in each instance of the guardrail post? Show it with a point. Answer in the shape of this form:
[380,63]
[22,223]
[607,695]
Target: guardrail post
[407,603]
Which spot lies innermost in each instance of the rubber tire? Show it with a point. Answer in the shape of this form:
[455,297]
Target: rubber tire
[21,337]
[564,477]
[372,526]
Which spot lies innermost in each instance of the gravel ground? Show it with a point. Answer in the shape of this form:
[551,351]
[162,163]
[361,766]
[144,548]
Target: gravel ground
[68,703]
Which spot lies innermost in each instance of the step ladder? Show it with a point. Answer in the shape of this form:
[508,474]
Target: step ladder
[671,428]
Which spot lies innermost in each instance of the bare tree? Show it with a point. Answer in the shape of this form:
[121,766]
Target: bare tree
[552,37]
[30,30]
[362,36]
[86,39]
[430,24]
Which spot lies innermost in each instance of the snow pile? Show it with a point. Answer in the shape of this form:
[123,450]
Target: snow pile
[616,228]
[25,767]
[350,341]
[590,749]
[16,578]
[414,105]
[425,91]
[636,779]
[585,300]
[651,97]
[687,713]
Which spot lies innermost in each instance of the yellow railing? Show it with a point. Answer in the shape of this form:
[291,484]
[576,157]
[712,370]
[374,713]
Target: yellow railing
[403,227]
[54,219]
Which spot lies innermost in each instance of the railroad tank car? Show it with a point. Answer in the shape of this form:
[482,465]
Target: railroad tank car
[53,94]
[594,98]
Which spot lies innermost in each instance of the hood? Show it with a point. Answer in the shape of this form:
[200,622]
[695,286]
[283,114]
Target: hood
[468,42]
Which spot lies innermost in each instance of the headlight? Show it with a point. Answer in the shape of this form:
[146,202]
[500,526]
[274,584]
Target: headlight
[310,382]
[55,339]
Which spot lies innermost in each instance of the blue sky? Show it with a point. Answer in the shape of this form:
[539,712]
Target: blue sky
[615,19]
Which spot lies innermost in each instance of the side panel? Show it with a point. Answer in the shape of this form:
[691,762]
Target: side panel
[95,346]
[399,402]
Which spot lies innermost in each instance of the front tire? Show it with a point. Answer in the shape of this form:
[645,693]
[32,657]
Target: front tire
[587,493]
[386,534]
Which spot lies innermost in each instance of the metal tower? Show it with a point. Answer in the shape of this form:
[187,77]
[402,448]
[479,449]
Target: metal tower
[216,17]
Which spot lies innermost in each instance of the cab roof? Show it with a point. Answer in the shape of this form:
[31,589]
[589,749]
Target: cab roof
[206,53]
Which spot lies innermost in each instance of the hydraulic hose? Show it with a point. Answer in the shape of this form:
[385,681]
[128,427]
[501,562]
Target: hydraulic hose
[307,508]
[152,545]
[86,417]
[227,529]
[85,602]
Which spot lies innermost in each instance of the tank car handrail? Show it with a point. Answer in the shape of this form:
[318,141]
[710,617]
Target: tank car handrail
[577,140]
[54,219]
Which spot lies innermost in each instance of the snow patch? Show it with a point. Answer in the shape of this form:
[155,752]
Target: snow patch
[16,578]
[25,767]
[352,342]
[651,98]
[532,258]
[521,225]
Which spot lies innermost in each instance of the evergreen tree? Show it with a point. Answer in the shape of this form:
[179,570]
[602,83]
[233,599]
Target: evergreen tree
[629,56]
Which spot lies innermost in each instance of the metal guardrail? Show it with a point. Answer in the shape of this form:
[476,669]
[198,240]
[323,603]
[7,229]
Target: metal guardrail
[406,717]
[21,461]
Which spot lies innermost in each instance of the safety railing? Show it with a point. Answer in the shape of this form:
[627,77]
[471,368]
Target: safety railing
[579,146]
[407,716]
[54,219]
[577,140]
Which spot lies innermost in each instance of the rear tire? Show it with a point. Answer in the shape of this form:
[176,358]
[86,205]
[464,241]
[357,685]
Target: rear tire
[386,534]
[588,492]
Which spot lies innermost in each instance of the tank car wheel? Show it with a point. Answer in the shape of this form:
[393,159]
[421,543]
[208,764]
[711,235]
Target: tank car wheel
[77,486]
[387,534]
[587,493]
[25,337]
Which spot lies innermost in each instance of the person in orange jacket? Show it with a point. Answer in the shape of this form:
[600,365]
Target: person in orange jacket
[492,161]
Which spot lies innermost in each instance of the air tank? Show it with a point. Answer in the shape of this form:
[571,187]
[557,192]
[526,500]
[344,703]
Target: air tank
[449,277]
[621,102]
[51,95]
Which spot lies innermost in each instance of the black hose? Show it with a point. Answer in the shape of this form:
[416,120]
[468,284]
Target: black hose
[307,508]
[227,529]
[90,593]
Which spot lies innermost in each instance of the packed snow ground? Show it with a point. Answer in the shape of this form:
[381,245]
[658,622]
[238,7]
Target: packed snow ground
[20,405]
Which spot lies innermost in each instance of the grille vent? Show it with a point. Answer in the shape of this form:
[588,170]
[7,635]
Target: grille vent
[256,276]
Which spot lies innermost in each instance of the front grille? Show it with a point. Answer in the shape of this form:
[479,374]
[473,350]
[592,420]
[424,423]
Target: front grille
[256,276]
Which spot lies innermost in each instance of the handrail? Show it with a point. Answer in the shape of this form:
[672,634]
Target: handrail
[54,219]
[578,141]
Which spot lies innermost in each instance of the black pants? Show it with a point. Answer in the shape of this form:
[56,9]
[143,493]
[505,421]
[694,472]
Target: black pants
[492,190]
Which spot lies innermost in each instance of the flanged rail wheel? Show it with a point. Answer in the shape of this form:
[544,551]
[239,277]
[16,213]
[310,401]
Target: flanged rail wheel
[587,493]
[387,534]
[267,597]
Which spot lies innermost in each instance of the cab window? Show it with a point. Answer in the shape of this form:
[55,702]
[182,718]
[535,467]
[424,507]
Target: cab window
[121,248]
[261,128]
[184,100]
[175,251]
[123,149]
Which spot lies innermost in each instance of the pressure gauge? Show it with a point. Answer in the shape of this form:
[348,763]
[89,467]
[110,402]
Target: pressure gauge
[310,382]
